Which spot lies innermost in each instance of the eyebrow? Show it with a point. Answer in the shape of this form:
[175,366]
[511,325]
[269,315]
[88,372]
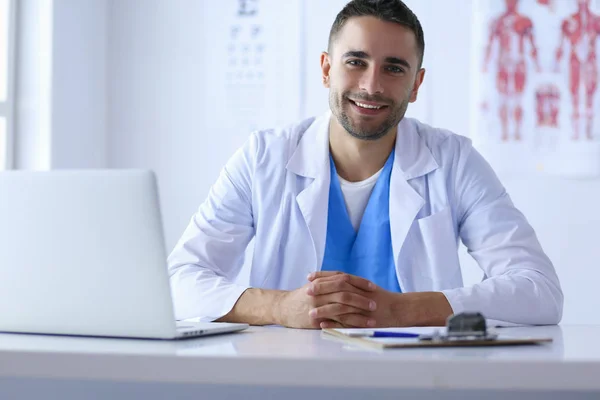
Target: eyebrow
[364,55]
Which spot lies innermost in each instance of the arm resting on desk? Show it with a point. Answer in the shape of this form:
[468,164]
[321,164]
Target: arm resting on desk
[209,255]
[256,307]
[520,284]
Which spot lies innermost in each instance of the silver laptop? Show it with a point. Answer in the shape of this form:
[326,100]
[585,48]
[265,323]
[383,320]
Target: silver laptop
[82,253]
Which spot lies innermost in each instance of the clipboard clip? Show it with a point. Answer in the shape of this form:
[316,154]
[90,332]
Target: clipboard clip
[467,326]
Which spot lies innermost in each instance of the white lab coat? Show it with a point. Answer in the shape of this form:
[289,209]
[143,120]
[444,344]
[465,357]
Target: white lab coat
[275,189]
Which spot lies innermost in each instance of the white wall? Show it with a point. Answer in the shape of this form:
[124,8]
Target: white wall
[168,109]
[158,102]
[79,84]
[61,84]
[164,113]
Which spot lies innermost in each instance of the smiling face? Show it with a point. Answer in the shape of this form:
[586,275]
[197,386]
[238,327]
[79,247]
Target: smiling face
[372,72]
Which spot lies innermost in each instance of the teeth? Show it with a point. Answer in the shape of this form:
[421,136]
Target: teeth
[367,106]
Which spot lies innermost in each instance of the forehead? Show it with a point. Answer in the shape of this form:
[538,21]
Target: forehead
[377,38]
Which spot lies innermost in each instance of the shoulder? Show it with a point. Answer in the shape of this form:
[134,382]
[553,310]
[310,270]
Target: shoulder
[445,146]
[291,133]
[278,143]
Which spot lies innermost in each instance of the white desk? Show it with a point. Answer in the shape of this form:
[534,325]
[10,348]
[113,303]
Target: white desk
[265,362]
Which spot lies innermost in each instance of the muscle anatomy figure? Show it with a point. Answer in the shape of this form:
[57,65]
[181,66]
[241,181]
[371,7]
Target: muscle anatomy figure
[580,31]
[514,33]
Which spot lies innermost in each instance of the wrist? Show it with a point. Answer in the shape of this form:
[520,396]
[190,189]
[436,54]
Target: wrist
[277,315]
[257,307]
[421,309]
[398,310]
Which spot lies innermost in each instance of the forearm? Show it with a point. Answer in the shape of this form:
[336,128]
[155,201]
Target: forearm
[256,307]
[421,309]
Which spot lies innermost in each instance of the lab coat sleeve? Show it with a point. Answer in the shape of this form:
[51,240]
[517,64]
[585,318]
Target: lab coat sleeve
[208,257]
[520,285]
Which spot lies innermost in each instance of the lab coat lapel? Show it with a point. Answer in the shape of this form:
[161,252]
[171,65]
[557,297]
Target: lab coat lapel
[413,159]
[311,161]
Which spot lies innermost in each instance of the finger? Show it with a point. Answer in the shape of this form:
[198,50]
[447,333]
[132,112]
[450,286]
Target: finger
[331,325]
[327,286]
[361,283]
[356,281]
[348,298]
[351,320]
[321,274]
[355,321]
[316,323]
[334,278]
[337,277]
[329,311]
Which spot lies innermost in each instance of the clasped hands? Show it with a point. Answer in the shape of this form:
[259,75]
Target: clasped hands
[338,300]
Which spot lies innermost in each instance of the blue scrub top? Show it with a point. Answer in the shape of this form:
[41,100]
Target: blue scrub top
[368,252]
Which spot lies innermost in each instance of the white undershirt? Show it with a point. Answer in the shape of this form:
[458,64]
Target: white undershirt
[356,197]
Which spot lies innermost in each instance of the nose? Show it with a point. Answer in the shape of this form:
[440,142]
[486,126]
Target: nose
[370,82]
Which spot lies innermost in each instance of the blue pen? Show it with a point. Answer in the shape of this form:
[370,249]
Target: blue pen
[384,334]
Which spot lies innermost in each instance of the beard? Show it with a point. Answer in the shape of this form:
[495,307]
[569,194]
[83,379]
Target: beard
[366,129]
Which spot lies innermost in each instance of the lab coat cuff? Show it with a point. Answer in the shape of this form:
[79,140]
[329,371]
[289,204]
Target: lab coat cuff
[229,303]
[454,297]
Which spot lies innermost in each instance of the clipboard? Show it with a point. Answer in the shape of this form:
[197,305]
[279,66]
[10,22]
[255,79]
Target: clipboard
[386,343]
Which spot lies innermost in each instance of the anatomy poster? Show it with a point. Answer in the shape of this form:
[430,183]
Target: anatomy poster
[536,102]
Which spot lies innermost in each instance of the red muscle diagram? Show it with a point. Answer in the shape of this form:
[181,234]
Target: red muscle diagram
[579,33]
[513,32]
[536,105]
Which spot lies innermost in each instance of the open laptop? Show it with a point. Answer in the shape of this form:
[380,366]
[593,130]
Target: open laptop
[82,253]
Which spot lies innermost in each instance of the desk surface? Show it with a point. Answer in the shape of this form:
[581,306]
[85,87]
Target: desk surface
[280,356]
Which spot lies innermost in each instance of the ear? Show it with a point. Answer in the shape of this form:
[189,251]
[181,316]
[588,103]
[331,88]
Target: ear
[325,67]
[418,81]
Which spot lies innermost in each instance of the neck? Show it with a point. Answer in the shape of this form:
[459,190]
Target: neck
[358,159]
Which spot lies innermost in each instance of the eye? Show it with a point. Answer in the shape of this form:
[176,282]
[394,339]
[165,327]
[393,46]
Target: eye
[355,63]
[394,69]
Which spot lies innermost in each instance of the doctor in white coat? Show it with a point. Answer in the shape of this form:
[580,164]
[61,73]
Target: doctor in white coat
[356,215]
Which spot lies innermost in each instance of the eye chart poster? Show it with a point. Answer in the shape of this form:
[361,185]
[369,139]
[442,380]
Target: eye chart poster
[253,48]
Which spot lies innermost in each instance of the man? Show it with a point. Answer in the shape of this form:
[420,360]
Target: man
[356,214]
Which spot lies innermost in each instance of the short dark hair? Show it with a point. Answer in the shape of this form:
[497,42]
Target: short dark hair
[385,10]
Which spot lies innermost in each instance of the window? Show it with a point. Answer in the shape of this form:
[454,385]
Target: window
[6,85]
